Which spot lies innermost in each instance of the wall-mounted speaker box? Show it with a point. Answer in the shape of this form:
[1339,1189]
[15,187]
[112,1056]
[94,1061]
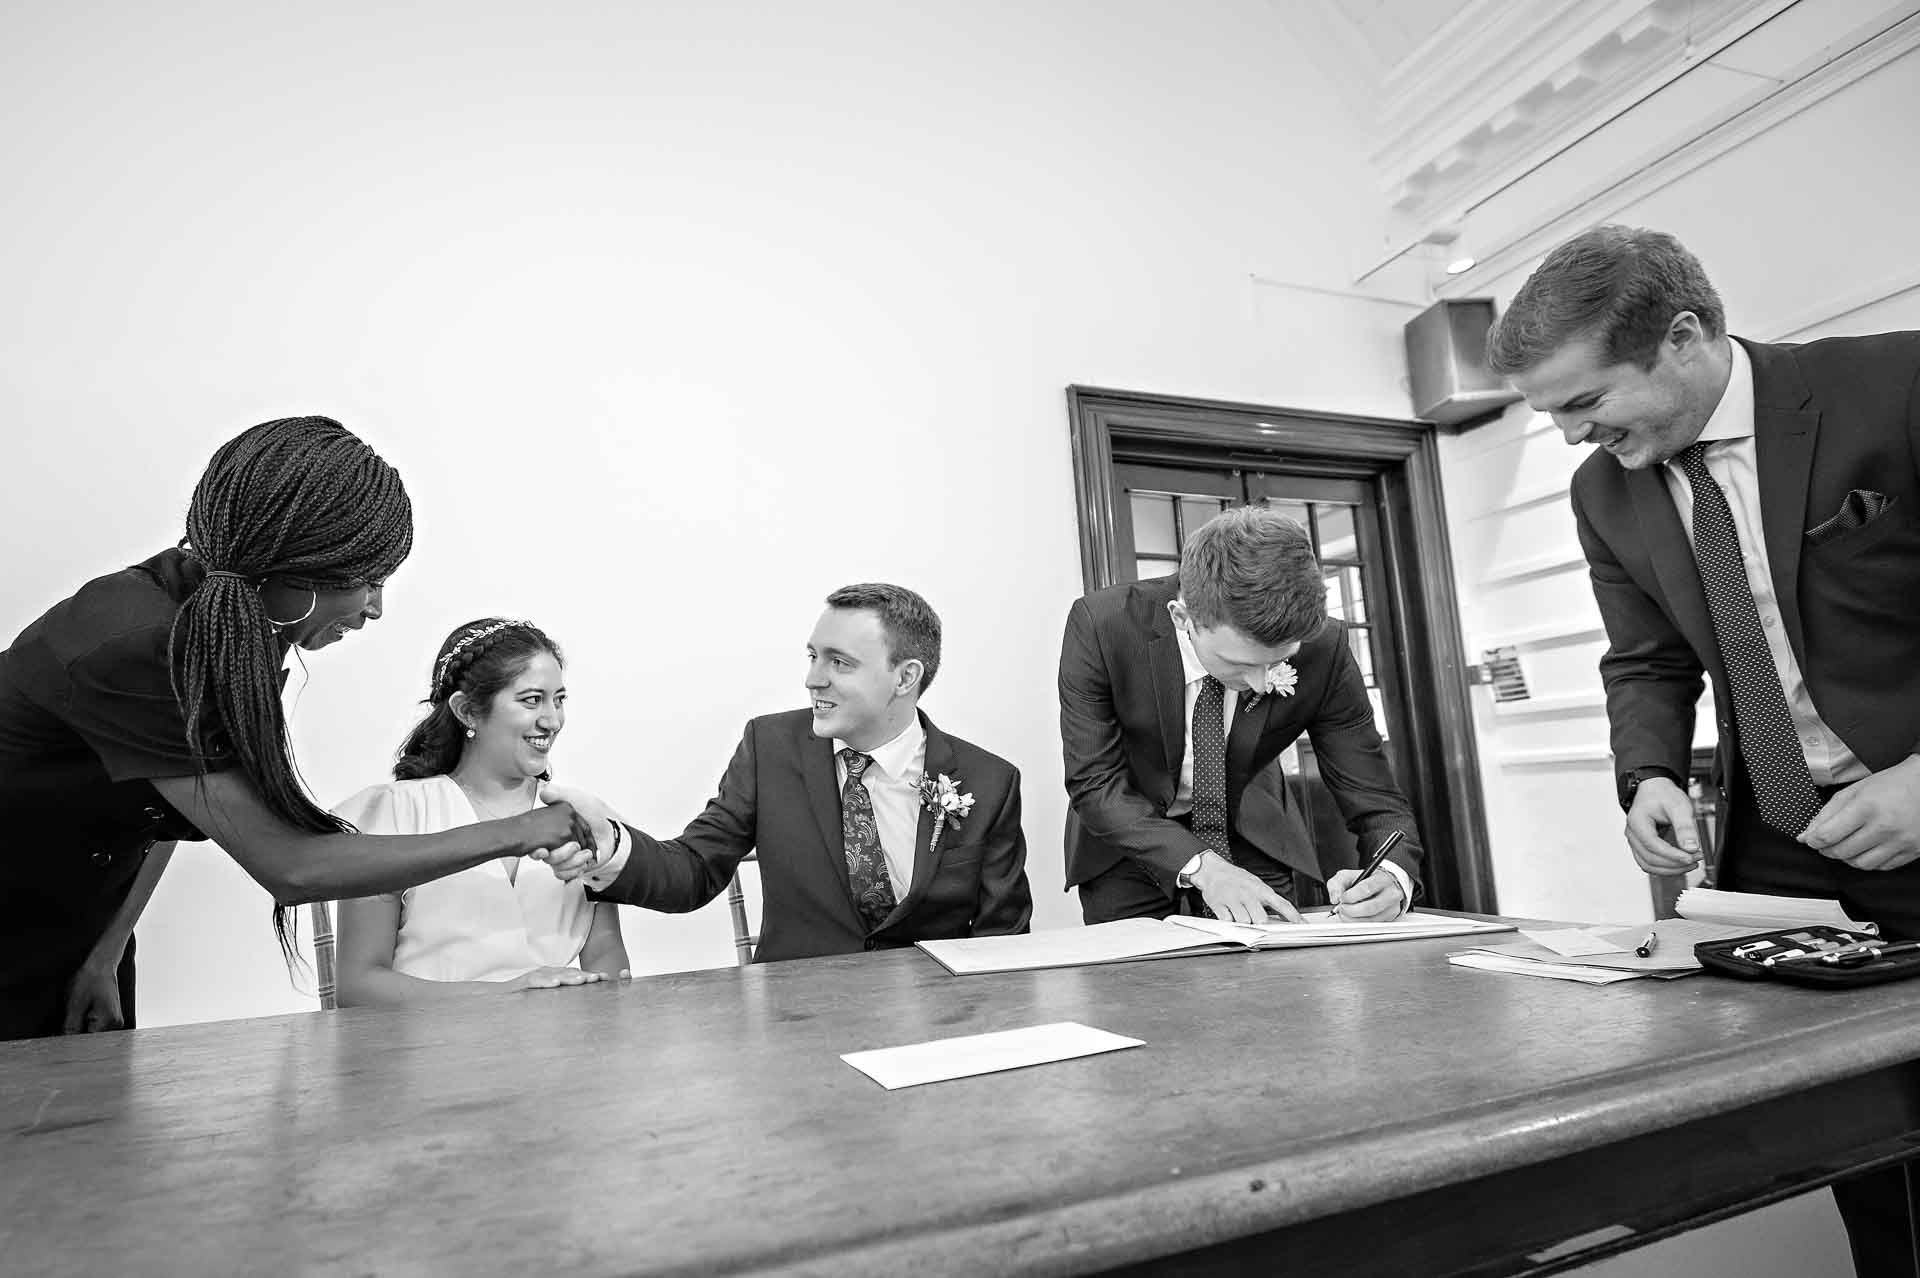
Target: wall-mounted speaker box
[1447,363]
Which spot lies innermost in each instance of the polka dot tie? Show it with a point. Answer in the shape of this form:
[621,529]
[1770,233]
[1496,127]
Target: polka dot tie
[1776,766]
[866,863]
[1210,767]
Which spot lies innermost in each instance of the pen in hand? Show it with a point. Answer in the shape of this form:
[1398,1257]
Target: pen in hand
[1646,947]
[1375,861]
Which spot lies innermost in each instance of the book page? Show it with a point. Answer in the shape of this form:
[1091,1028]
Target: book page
[1066,947]
[1321,927]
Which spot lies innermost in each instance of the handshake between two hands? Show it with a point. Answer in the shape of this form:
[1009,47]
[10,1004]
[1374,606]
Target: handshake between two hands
[589,820]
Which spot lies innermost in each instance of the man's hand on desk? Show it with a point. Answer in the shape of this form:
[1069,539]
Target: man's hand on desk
[1237,896]
[1373,899]
[1872,824]
[1660,828]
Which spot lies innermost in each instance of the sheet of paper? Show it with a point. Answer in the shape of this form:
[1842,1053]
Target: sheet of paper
[1758,912]
[1574,942]
[1489,962]
[1322,928]
[945,1058]
[1672,952]
[1062,947]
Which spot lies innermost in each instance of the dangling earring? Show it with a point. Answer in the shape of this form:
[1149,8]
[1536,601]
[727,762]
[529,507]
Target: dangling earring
[311,605]
[469,734]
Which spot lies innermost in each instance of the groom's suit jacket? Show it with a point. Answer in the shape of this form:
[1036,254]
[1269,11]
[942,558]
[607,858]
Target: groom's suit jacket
[1837,450]
[780,796]
[1123,731]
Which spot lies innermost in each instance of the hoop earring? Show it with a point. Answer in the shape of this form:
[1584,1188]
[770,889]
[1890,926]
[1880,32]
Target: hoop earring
[311,605]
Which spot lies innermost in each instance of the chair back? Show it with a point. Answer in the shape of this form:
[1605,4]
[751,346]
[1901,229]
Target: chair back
[744,939]
[322,913]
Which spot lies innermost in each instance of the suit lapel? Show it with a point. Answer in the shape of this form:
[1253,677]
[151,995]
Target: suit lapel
[1784,434]
[1665,538]
[1243,738]
[926,859]
[1169,685]
[823,797]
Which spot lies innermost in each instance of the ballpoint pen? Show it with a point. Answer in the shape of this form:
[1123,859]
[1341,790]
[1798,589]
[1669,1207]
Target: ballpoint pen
[1645,948]
[1379,856]
[1378,859]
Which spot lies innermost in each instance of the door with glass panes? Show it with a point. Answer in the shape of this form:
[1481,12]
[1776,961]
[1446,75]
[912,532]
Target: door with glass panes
[1157,507]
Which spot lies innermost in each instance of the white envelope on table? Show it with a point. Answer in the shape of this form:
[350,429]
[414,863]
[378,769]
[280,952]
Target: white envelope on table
[970,1054]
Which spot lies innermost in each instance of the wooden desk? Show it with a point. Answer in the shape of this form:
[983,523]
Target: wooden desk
[1354,1110]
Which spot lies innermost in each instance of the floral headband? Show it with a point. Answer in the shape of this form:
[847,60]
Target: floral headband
[467,640]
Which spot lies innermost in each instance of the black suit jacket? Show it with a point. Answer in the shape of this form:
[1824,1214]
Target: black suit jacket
[1830,417]
[1123,729]
[780,795]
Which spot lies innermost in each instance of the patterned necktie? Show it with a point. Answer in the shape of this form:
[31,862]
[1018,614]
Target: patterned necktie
[1776,767]
[1210,767]
[866,863]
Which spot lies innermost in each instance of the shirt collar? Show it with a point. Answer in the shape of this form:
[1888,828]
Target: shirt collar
[902,759]
[1733,415]
[1189,659]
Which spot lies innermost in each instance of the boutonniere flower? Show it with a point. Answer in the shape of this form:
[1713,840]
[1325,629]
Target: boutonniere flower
[1282,679]
[941,796]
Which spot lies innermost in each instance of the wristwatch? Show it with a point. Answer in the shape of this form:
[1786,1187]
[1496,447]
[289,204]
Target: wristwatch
[1631,779]
[1184,878]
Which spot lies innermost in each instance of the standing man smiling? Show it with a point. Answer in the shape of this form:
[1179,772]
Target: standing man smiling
[875,829]
[1754,520]
[1176,697]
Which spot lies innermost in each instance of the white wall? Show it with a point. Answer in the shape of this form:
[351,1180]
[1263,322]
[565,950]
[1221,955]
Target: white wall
[674,318]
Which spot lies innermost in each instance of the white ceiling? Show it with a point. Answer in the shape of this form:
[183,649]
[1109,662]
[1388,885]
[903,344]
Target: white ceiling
[1386,31]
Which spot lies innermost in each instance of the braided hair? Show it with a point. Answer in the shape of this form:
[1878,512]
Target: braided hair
[479,659]
[303,500]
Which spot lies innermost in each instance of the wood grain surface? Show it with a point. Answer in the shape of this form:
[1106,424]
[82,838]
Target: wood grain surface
[703,1123]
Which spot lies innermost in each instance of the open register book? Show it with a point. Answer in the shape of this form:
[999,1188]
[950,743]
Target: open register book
[1130,939]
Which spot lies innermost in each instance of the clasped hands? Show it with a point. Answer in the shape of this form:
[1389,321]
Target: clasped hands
[589,815]
[1239,896]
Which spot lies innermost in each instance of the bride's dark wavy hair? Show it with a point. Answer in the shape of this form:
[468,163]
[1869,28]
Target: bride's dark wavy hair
[479,659]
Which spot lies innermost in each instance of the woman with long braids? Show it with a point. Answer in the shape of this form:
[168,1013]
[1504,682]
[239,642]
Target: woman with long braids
[146,709]
[497,702]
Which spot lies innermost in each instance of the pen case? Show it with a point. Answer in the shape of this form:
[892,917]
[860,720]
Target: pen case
[1815,954]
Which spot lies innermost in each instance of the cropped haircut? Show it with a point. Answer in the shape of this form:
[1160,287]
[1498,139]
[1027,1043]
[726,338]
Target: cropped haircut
[1620,285]
[1253,568]
[911,625]
[303,500]
[479,659]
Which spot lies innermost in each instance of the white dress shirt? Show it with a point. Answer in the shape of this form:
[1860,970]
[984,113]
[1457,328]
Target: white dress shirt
[1183,793]
[893,784]
[1730,459]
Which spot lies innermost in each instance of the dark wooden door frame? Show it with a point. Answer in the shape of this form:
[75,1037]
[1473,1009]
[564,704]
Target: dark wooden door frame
[1399,457]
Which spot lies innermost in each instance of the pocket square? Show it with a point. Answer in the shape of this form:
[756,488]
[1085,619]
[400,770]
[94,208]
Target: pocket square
[1861,508]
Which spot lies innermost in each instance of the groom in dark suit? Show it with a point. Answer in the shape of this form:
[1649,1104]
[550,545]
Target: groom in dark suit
[1756,520]
[875,829]
[1178,694]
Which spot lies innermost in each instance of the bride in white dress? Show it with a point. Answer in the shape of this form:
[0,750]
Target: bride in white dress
[496,707]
